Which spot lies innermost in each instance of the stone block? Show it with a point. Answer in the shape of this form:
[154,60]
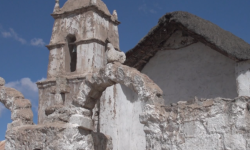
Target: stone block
[82,122]
[24,114]
[21,103]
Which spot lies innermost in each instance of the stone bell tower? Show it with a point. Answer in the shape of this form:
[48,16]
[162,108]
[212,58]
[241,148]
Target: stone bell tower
[81,33]
[79,36]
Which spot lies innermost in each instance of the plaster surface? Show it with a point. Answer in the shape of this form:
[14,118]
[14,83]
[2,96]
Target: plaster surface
[119,118]
[89,55]
[196,70]
[243,78]
[86,26]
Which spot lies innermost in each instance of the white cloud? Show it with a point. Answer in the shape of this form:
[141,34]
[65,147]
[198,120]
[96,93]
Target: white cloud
[152,11]
[6,34]
[12,34]
[144,8]
[27,87]
[16,37]
[37,42]
[41,80]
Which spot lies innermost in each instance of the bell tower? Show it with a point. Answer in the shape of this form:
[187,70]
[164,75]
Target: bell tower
[81,30]
[80,35]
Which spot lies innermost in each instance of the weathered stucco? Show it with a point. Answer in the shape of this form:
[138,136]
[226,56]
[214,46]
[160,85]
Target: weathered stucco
[91,55]
[119,118]
[196,70]
[86,26]
[92,32]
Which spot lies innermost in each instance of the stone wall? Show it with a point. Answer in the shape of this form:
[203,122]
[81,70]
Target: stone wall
[211,124]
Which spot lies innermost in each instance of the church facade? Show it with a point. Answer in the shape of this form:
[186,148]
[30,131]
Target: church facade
[185,85]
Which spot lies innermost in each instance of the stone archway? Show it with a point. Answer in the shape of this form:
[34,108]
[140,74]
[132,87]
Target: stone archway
[92,88]
[21,113]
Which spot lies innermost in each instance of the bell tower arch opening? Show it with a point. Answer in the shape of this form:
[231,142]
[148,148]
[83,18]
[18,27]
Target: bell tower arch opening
[71,54]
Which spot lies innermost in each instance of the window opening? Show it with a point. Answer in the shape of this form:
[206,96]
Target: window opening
[72,52]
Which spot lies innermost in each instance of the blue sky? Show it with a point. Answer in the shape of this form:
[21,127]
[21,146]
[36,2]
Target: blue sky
[26,25]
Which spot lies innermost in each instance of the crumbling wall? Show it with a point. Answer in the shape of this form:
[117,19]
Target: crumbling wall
[21,113]
[200,124]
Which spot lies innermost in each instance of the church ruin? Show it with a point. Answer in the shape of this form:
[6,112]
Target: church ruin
[184,86]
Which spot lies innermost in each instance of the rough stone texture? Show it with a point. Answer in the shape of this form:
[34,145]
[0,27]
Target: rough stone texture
[57,6]
[96,83]
[21,113]
[200,124]
[190,25]
[115,56]
[72,5]
[95,28]
[55,136]
[20,108]
[192,71]
[84,92]
[90,46]
[83,122]
[2,82]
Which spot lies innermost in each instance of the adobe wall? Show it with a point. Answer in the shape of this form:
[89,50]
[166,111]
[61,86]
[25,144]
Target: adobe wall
[119,118]
[195,70]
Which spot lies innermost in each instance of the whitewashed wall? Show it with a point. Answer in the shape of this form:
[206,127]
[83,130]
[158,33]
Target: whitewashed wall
[243,78]
[119,118]
[196,70]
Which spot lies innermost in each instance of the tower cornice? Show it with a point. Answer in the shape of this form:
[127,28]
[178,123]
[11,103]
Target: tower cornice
[93,8]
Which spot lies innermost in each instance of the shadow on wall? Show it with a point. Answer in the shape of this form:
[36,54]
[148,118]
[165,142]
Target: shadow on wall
[131,95]
[101,141]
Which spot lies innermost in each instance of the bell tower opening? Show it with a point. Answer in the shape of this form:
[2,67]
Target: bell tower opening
[71,55]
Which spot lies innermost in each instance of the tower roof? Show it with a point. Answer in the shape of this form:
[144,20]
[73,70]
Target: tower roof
[73,5]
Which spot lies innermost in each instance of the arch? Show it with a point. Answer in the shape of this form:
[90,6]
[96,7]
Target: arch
[91,90]
[20,108]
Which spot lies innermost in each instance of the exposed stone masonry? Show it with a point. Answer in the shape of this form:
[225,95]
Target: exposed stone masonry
[199,124]
[20,108]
